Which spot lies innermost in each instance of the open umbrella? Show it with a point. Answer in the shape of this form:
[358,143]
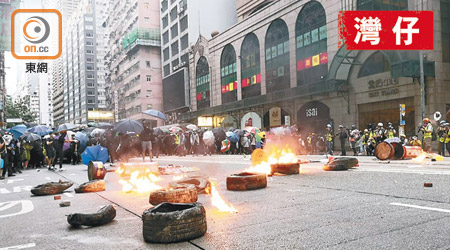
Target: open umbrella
[97,132]
[239,132]
[27,136]
[94,153]
[67,140]
[40,130]
[18,130]
[192,127]
[155,113]
[93,124]
[175,129]
[252,130]
[128,125]
[158,131]
[104,125]
[232,136]
[225,145]
[219,134]
[65,126]
[208,138]
[89,130]
[83,138]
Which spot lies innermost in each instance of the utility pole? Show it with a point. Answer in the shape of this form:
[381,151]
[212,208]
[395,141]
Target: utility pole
[422,85]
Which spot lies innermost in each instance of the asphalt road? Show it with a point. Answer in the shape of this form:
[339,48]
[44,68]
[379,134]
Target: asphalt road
[379,205]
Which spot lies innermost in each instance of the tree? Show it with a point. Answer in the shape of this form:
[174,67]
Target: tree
[19,109]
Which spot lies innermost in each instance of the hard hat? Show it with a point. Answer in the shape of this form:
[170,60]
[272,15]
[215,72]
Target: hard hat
[366,131]
[389,123]
[402,135]
[442,122]
[426,119]
[341,126]
[328,126]
[353,126]
[380,124]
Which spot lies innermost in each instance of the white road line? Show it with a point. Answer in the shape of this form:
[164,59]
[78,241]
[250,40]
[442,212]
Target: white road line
[68,194]
[48,178]
[19,246]
[72,174]
[14,180]
[421,207]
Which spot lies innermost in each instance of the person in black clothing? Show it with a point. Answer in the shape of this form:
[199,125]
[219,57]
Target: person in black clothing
[49,151]
[5,157]
[73,150]
[59,144]
[342,138]
[147,138]
[17,153]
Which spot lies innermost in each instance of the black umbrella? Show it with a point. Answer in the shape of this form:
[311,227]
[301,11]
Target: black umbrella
[105,125]
[239,132]
[231,129]
[65,126]
[128,125]
[30,137]
[219,134]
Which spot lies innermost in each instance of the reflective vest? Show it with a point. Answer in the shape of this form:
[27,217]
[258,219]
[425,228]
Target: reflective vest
[447,140]
[329,137]
[441,138]
[390,133]
[309,140]
[428,131]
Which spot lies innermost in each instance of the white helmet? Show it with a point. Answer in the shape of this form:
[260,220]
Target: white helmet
[380,124]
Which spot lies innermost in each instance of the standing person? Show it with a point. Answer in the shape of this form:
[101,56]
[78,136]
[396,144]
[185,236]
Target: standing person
[73,150]
[390,131]
[415,141]
[342,138]
[427,130]
[403,140]
[379,133]
[365,142]
[17,154]
[329,138]
[309,139]
[195,143]
[49,151]
[445,138]
[146,137]
[354,137]
[58,143]
[4,156]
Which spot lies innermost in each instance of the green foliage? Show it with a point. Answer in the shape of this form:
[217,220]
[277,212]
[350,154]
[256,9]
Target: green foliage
[19,109]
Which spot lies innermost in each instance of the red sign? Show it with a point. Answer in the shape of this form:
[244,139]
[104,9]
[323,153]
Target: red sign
[386,30]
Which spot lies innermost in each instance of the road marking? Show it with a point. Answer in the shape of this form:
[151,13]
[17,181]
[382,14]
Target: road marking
[19,189]
[48,178]
[19,246]
[69,195]
[72,174]
[14,180]
[421,207]
[27,206]
[4,191]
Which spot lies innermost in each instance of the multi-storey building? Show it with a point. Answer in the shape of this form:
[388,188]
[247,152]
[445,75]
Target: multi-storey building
[281,65]
[182,21]
[84,50]
[134,58]
[38,87]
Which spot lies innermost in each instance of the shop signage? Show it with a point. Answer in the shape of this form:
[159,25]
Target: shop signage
[275,116]
[100,115]
[383,84]
[204,121]
[312,111]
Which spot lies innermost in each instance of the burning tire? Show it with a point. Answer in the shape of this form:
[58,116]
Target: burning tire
[176,195]
[341,163]
[104,216]
[200,183]
[285,168]
[91,186]
[174,222]
[51,188]
[246,181]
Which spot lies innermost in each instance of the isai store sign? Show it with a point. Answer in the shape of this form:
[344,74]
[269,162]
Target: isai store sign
[383,87]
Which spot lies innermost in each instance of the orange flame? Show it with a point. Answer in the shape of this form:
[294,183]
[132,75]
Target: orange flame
[421,157]
[274,156]
[141,183]
[217,200]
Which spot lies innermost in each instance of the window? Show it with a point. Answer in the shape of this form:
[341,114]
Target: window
[175,63]
[202,83]
[228,74]
[149,78]
[89,51]
[311,44]
[149,92]
[164,5]
[165,37]
[174,31]
[146,20]
[89,43]
[147,63]
[445,22]
[375,64]
[250,67]
[184,42]
[90,101]
[166,54]
[185,59]
[167,70]
[165,21]
[382,5]
[277,60]
[173,14]
[146,6]
[183,23]
[174,48]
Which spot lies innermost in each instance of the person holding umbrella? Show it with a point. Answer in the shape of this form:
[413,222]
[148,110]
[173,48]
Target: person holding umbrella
[5,156]
[146,137]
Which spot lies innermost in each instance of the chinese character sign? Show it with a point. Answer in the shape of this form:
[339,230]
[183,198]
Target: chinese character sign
[386,30]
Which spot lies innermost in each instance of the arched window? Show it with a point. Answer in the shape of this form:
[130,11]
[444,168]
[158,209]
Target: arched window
[202,83]
[382,5]
[277,56]
[250,67]
[311,44]
[228,74]
[375,64]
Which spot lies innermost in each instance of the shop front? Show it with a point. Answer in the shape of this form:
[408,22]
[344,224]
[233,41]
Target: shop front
[313,117]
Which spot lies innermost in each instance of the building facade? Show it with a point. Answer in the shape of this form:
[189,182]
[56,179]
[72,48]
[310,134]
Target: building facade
[281,65]
[133,60]
[182,21]
[84,50]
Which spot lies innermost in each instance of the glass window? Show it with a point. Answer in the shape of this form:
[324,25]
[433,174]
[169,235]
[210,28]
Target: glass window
[165,21]
[203,88]
[173,14]
[183,23]
[166,54]
[174,48]
[307,38]
[382,5]
[300,41]
[184,42]
[323,32]
[165,37]
[276,36]
[174,31]
[314,35]
[375,64]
